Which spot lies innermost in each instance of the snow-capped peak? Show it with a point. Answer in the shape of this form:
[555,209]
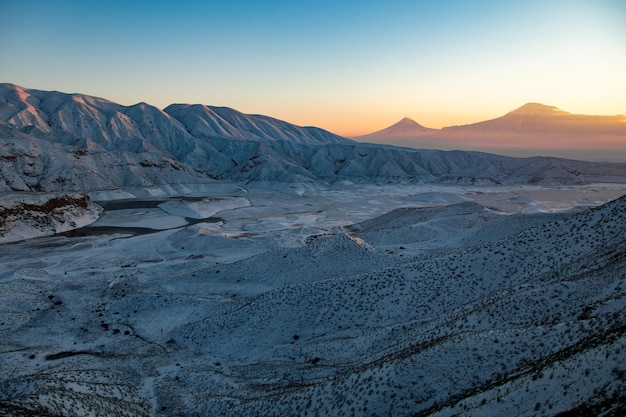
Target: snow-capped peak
[537,109]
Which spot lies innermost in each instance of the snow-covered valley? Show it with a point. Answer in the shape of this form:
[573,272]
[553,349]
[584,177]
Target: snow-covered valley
[405,299]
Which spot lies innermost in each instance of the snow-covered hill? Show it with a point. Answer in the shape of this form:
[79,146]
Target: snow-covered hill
[51,141]
[428,311]
[25,215]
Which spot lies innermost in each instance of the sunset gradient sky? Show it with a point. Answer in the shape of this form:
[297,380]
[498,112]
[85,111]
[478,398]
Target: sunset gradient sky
[351,67]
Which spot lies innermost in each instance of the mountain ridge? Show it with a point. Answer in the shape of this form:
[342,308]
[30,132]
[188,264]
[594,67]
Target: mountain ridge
[51,141]
[106,121]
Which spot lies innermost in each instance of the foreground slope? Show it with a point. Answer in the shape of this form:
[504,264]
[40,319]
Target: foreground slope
[374,319]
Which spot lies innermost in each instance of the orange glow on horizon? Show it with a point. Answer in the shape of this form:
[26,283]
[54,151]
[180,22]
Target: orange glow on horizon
[354,125]
[357,124]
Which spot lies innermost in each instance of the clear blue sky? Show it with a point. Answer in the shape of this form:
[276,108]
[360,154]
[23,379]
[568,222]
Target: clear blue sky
[348,66]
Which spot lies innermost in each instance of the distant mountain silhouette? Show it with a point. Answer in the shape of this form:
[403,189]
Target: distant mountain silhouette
[539,118]
[533,128]
[404,128]
[537,109]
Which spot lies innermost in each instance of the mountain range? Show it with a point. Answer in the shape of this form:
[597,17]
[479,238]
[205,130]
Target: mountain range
[533,129]
[53,141]
[272,284]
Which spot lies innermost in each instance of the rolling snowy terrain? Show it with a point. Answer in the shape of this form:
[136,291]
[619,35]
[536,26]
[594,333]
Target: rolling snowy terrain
[236,264]
[329,302]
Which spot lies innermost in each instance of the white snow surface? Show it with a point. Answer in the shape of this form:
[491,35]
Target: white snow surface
[352,299]
[204,208]
[145,218]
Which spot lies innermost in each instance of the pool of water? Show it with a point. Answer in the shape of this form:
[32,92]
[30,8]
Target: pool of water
[114,209]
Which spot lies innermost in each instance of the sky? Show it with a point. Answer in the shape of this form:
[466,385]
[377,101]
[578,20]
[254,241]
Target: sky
[351,67]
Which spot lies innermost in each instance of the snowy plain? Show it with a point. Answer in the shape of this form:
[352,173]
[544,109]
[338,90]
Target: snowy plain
[395,299]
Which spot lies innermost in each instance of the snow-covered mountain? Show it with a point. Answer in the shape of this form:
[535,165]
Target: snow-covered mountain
[301,273]
[210,122]
[529,130]
[78,119]
[51,141]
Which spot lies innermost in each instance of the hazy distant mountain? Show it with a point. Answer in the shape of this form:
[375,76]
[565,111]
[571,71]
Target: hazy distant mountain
[51,141]
[533,129]
[405,128]
[535,119]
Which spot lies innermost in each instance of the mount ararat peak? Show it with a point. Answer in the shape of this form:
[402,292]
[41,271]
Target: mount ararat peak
[538,109]
[406,127]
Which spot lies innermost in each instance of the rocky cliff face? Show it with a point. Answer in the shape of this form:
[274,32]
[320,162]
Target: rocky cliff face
[25,215]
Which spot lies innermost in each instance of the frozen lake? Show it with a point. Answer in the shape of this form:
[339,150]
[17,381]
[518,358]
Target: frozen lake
[142,216]
[309,211]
